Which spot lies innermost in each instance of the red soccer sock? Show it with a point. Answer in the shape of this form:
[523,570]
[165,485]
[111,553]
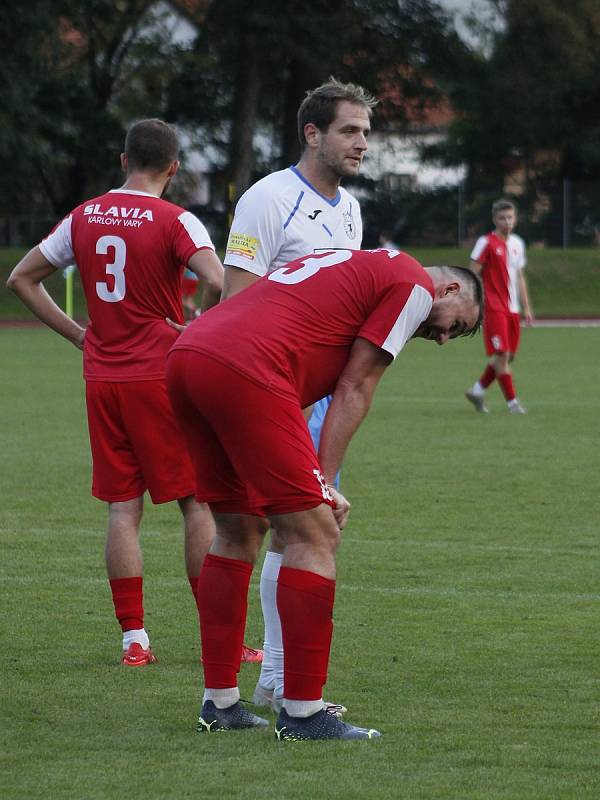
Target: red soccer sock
[222,597]
[488,377]
[128,599]
[305,602]
[507,386]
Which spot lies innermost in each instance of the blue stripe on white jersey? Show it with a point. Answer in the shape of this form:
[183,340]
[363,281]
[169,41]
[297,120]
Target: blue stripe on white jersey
[294,209]
[333,203]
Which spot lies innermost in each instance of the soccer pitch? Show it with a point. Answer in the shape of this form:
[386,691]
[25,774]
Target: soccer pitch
[466,622]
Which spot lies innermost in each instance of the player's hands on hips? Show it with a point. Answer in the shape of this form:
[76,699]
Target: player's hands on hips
[342,507]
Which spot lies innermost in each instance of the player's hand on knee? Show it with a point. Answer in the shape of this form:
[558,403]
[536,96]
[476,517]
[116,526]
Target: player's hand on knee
[342,507]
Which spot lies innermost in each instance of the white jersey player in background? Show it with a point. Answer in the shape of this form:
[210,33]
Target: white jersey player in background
[284,216]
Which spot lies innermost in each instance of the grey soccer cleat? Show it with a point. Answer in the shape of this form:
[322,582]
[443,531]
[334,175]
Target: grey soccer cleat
[517,408]
[478,401]
[266,698]
[262,696]
[234,718]
[322,725]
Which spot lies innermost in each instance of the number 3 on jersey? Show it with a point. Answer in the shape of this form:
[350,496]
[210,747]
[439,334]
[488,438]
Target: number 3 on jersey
[116,268]
[310,266]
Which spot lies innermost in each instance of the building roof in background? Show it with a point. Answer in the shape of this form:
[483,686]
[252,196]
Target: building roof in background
[422,113]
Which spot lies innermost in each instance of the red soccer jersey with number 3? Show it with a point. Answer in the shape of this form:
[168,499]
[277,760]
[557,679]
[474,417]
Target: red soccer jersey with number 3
[292,330]
[130,248]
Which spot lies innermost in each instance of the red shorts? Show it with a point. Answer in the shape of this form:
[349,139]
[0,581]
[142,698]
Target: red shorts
[501,332]
[251,448]
[136,443]
[188,287]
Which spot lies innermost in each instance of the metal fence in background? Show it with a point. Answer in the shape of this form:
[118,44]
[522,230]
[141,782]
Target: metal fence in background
[558,214]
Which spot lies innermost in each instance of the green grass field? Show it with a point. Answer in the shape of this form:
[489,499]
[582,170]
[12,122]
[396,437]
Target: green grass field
[562,282]
[466,614]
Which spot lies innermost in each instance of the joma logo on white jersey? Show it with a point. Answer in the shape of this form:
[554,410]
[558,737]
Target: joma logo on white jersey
[120,212]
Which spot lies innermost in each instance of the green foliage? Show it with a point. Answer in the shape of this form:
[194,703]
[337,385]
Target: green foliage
[275,57]
[77,72]
[466,609]
[529,106]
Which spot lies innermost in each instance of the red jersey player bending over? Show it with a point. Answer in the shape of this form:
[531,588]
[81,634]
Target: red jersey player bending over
[130,247]
[500,259]
[239,377]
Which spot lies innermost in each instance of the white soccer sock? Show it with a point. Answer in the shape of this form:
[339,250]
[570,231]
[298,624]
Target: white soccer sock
[271,672]
[477,389]
[303,708]
[222,698]
[140,636]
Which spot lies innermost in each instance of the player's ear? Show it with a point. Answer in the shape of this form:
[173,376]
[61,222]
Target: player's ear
[452,288]
[173,168]
[124,163]
[311,134]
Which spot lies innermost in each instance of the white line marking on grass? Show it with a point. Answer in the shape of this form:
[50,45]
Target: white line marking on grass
[423,591]
[582,551]
[411,591]
[451,402]
[566,323]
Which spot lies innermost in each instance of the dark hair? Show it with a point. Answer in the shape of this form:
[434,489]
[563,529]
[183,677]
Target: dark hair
[471,279]
[503,205]
[320,104]
[151,144]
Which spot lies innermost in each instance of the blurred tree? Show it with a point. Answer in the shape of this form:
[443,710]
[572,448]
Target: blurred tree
[75,74]
[529,107]
[253,63]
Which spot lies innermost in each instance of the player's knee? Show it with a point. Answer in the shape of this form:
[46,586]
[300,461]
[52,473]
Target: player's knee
[315,528]
[500,362]
[241,528]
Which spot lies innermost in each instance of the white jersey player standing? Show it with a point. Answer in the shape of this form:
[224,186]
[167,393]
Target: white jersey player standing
[284,216]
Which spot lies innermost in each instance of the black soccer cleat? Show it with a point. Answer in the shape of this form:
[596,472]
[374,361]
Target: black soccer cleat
[234,718]
[322,725]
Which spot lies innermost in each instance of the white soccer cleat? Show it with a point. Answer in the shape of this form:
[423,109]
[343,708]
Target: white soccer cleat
[478,401]
[516,408]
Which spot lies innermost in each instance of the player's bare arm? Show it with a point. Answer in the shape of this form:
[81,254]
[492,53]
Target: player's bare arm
[524,295]
[26,281]
[351,400]
[206,265]
[236,279]
[475,266]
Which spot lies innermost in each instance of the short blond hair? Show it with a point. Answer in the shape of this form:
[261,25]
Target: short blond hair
[503,205]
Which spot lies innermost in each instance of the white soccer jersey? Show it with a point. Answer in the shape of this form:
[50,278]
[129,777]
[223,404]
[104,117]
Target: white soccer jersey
[501,261]
[282,217]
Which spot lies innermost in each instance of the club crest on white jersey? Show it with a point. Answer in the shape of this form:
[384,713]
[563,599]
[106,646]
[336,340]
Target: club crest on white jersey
[349,225]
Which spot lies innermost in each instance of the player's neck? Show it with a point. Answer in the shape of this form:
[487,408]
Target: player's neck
[140,182]
[501,235]
[325,181]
